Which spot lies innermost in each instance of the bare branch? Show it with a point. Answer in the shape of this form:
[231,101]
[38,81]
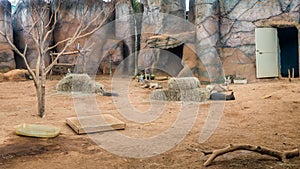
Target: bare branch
[84,29]
[20,54]
[95,29]
[53,16]
[75,36]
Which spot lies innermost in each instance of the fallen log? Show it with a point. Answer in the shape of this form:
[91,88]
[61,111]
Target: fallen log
[280,155]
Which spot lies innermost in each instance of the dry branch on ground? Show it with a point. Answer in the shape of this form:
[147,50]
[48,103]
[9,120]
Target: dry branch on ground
[280,155]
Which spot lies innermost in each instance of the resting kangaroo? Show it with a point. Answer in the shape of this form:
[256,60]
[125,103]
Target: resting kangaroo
[214,88]
[216,91]
[222,96]
[16,75]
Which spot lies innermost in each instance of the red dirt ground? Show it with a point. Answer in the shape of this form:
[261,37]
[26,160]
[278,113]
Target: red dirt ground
[272,122]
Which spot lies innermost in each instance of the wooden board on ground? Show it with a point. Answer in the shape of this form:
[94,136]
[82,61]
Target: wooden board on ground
[93,124]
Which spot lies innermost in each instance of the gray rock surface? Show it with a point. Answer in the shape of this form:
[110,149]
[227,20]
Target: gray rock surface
[7,61]
[226,30]
[124,29]
[23,19]
[161,17]
[71,15]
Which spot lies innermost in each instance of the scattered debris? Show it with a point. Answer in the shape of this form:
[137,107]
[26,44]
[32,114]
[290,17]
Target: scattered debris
[240,81]
[267,96]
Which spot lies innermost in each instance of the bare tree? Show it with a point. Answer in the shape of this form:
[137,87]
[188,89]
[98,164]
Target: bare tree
[41,31]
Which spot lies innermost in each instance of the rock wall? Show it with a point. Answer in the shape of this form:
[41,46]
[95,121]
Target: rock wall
[124,30]
[23,19]
[228,27]
[160,17]
[7,61]
[207,25]
[70,17]
[112,56]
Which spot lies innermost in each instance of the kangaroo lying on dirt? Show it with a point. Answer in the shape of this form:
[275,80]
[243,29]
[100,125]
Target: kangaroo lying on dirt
[16,75]
[150,85]
[221,96]
[215,88]
[216,91]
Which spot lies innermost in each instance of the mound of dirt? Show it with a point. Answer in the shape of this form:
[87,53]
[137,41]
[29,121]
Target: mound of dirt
[79,83]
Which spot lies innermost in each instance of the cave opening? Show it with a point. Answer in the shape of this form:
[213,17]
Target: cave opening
[289,53]
[171,60]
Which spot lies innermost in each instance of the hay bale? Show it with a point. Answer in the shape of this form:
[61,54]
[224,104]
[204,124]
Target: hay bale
[196,95]
[185,83]
[79,83]
[158,94]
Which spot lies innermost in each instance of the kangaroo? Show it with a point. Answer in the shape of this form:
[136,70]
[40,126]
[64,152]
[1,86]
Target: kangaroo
[222,96]
[216,88]
[216,91]
[16,75]
[104,93]
[150,85]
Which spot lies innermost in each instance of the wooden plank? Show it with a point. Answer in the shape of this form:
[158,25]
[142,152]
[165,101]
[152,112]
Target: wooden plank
[92,124]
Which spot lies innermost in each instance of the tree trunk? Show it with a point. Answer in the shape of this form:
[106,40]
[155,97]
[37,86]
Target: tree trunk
[40,91]
[135,47]
[41,85]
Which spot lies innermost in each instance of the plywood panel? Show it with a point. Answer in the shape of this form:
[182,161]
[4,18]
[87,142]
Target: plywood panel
[92,124]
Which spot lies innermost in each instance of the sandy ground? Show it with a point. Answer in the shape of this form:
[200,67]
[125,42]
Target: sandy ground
[273,122]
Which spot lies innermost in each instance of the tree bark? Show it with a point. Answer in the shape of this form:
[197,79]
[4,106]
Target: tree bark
[40,90]
[282,156]
[135,47]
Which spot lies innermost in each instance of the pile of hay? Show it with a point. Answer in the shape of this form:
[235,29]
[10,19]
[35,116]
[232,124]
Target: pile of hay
[181,89]
[184,83]
[79,83]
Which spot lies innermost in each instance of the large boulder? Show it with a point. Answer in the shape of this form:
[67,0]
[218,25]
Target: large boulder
[112,56]
[28,13]
[7,61]
[226,31]
[73,12]
[160,17]
[208,38]
[124,30]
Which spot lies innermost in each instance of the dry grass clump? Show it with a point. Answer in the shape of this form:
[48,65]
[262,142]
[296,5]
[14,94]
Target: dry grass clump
[79,83]
[196,95]
[181,89]
[184,83]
